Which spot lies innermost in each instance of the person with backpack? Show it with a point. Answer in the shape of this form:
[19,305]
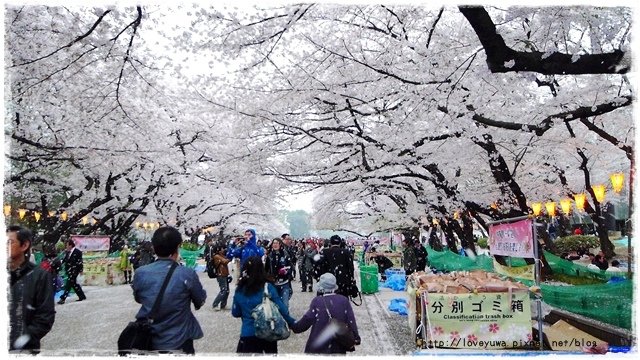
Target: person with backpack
[338,261]
[248,296]
[219,263]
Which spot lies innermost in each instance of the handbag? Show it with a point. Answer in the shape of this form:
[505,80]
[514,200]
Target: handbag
[269,324]
[354,293]
[343,334]
[137,335]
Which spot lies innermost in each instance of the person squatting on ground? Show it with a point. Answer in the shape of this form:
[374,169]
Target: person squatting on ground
[383,263]
[73,266]
[278,265]
[421,256]
[31,304]
[338,261]
[174,327]
[321,338]
[220,263]
[125,264]
[247,296]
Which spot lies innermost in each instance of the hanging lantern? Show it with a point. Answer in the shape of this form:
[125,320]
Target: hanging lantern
[435,222]
[456,215]
[580,199]
[7,210]
[551,208]
[145,226]
[138,224]
[85,220]
[536,207]
[22,213]
[565,204]
[93,221]
[617,182]
[599,191]
[494,206]
[52,213]
[36,215]
[63,216]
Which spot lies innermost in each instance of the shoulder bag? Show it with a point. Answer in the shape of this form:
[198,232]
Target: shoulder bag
[342,332]
[269,323]
[137,335]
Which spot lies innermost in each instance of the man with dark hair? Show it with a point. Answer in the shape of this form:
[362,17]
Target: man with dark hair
[292,251]
[409,257]
[174,326]
[338,261]
[31,308]
[73,267]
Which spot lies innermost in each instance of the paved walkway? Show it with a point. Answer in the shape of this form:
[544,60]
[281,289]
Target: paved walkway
[92,327]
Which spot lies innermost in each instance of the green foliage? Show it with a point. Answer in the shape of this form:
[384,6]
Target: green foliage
[575,243]
[483,242]
[190,246]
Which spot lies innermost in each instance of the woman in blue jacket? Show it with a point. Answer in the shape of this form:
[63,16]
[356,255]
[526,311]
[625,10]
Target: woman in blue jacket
[248,295]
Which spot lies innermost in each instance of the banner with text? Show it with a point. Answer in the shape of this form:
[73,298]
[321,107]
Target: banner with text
[479,321]
[512,239]
[91,242]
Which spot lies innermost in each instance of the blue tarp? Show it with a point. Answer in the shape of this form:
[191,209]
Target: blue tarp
[399,305]
[395,282]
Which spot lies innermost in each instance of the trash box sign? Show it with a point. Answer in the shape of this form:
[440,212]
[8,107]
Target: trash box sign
[479,321]
[512,239]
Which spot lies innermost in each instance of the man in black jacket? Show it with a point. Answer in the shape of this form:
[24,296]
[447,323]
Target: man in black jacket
[73,267]
[339,262]
[31,309]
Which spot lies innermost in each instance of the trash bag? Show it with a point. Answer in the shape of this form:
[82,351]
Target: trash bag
[396,282]
[400,306]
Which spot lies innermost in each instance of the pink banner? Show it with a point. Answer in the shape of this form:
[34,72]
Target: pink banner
[512,239]
[91,242]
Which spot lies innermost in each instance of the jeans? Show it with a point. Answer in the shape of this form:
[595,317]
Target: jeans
[285,292]
[223,295]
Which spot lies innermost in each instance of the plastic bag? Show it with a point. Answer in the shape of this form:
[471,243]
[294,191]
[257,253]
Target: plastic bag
[399,305]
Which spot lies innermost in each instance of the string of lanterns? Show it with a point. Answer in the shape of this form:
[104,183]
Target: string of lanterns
[22,213]
[599,191]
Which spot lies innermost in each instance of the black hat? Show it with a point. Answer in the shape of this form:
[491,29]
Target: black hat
[335,240]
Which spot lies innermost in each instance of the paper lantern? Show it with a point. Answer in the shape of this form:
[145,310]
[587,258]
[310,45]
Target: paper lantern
[64,216]
[138,224]
[580,199]
[551,208]
[36,215]
[7,210]
[599,191]
[22,213]
[456,215]
[617,182]
[93,221]
[52,213]
[565,204]
[536,207]
[85,220]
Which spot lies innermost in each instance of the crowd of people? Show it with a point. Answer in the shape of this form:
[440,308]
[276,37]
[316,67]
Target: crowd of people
[271,266]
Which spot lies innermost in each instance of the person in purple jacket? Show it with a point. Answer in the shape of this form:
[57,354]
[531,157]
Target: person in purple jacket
[321,339]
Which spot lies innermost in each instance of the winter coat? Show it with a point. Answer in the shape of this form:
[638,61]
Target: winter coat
[317,319]
[421,257]
[339,262]
[409,259]
[248,250]
[279,265]
[243,304]
[383,263]
[31,307]
[220,263]
[306,260]
[125,263]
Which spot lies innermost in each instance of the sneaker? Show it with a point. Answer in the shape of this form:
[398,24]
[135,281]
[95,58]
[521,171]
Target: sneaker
[216,308]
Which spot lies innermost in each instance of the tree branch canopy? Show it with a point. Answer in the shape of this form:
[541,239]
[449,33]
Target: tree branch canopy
[502,59]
